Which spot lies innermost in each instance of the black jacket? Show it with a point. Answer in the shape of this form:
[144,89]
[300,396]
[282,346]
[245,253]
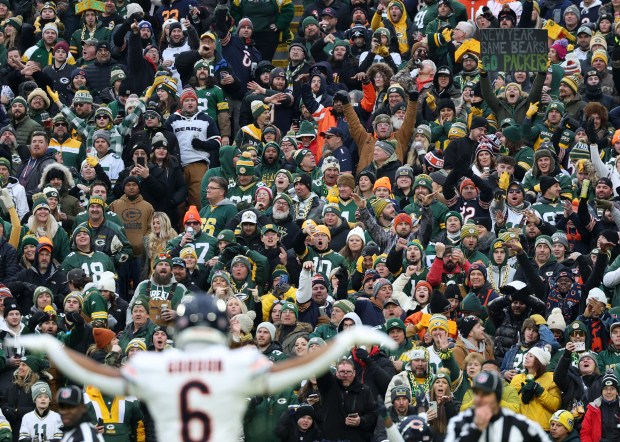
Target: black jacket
[98,74]
[377,373]
[144,137]
[17,403]
[507,324]
[9,261]
[154,188]
[339,402]
[23,284]
[575,387]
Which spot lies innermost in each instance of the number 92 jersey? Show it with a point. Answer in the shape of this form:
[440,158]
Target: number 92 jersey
[199,395]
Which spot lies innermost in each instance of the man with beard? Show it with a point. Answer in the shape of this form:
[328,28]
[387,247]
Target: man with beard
[330,169]
[220,209]
[545,130]
[424,196]
[459,154]
[469,244]
[297,65]
[107,237]
[84,257]
[282,218]
[22,124]
[178,43]
[450,265]
[307,205]
[71,150]
[270,163]
[344,65]
[211,99]
[43,272]
[417,376]
[92,29]
[266,343]
[252,133]
[160,292]
[380,226]
[31,171]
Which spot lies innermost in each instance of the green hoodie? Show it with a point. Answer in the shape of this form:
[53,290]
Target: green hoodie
[267,172]
[226,170]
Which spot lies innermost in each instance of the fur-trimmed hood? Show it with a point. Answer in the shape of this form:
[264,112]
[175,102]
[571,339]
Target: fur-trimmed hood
[68,181]
[382,68]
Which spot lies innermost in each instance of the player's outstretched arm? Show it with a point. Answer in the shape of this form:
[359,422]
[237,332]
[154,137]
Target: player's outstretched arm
[76,366]
[287,373]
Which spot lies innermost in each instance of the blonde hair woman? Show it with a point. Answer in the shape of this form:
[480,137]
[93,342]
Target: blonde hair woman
[155,241]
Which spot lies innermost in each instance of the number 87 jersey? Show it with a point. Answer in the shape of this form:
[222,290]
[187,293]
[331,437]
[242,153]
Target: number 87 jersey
[199,395]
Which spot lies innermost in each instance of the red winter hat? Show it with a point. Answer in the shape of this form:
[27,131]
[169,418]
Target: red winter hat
[188,93]
[466,182]
[103,337]
[403,218]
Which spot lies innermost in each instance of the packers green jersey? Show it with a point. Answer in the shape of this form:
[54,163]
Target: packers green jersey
[215,218]
[212,101]
[323,262]
[93,264]
[243,193]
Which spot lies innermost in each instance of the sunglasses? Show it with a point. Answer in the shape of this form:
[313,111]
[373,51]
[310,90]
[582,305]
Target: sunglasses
[60,124]
[150,116]
[514,190]
[102,117]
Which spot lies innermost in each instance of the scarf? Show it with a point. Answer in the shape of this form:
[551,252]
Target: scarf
[566,302]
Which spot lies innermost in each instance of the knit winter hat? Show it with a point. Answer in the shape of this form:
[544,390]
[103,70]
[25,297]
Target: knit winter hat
[467,324]
[543,356]
[104,134]
[438,304]
[560,238]
[103,337]
[245,165]
[600,54]
[580,151]
[572,81]
[345,305]
[258,107]
[556,320]
[563,417]
[116,75]
[379,204]
[402,218]
[438,322]
[346,179]
[40,388]
[544,239]
[471,304]
[379,283]
[469,230]
[480,267]
[136,343]
[382,182]
[424,181]
[19,100]
[561,48]
[387,146]
[188,92]
[269,327]
[38,92]
[424,130]
[82,96]
[39,201]
[609,379]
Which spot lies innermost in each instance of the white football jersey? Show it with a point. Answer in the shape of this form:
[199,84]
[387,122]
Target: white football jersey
[35,426]
[197,395]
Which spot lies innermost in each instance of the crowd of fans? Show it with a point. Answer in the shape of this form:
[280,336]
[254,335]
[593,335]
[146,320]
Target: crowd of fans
[382,177]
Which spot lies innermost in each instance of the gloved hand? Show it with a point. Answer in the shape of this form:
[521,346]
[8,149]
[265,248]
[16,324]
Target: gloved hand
[499,194]
[604,204]
[446,35]
[33,321]
[527,391]
[413,95]
[6,200]
[198,144]
[53,95]
[532,110]
[504,181]
[92,161]
[530,196]
[591,132]
[430,101]
[230,251]
[342,275]
[362,355]
[538,389]
[569,123]
[75,317]
[342,96]
[382,51]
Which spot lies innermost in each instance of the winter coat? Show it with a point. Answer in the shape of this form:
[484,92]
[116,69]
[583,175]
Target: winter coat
[98,74]
[263,413]
[145,137]
[540,408]
[288,344]
[592,426]
[575,387]
[288,430]
[507,325]
[501,108]
[338,402]
[461,350]
[377,373]
[17,402]
[9,260]
[366,141]
[23,283]
[24,129]
[34,177]
[154,188]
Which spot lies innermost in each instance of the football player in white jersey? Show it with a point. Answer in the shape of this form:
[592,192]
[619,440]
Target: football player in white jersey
[199,392]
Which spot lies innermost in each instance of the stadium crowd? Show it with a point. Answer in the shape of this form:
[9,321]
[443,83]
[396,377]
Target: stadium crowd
[379,174]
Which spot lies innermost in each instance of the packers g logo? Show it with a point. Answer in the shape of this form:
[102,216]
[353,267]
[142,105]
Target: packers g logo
[242,170]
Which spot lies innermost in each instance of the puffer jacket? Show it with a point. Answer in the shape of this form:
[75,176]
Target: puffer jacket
[501,108]
[540,408]
[507,325]
[592,427]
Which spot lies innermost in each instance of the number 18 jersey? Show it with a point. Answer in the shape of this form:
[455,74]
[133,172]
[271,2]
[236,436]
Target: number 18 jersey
[198,395]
